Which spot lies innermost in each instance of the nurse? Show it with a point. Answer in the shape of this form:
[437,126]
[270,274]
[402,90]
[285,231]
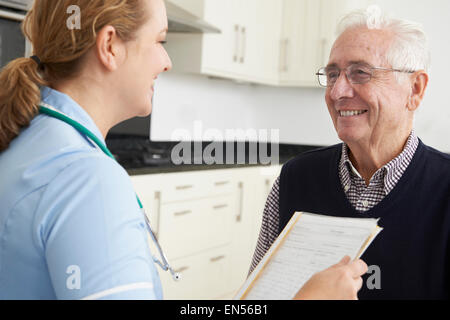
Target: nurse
[70,225]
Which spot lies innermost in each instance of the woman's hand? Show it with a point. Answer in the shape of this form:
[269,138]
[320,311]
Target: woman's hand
[339,282]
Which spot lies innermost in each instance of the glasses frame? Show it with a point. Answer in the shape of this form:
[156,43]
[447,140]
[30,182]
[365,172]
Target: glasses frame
[321,72]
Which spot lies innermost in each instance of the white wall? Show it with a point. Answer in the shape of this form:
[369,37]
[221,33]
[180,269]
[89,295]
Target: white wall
[433,117]
[299,113]
[180,100]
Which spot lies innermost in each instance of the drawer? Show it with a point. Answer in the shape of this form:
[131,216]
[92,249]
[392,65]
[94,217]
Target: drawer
[192,226]
[195,185]
[203,276]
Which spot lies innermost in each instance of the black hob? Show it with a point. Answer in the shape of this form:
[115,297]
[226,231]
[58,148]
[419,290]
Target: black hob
[134,152]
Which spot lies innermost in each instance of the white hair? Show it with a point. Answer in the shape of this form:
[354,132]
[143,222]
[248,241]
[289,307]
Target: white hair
[409,50]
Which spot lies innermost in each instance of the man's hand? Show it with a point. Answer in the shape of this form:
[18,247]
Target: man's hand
[339,282]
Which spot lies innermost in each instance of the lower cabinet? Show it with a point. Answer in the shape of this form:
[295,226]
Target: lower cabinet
[192,226]
[204,276]
[207,223]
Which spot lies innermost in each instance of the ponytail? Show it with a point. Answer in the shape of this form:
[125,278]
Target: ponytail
[19,98]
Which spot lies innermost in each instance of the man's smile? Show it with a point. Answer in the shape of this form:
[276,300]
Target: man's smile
[351,113]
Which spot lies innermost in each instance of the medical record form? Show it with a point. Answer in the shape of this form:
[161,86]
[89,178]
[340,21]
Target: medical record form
[308,244]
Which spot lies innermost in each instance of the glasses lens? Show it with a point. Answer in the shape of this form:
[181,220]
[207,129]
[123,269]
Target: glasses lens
[332,75]
[322,77]
[359,74]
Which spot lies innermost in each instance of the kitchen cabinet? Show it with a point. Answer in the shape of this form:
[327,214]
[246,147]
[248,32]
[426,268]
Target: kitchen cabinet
[254,187]
[244,50]
[205,276]
[331,13]
[307,34]
[207,223]
[280,43]
[301,46]
[203,224]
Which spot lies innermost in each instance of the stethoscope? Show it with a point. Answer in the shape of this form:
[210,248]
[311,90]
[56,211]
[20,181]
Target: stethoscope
[52,112]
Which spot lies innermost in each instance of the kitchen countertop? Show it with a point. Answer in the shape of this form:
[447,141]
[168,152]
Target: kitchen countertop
[286,153]
[186,168]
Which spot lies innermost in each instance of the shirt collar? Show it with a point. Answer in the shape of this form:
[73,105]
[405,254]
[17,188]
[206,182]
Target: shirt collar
[390,173]
[65,104]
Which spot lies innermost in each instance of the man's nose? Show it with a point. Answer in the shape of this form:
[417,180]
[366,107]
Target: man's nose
[342,88]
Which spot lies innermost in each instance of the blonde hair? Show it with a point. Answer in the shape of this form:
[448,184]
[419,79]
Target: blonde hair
[61,50]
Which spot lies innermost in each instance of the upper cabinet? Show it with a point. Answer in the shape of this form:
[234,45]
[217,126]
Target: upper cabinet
[272,42]
[301,43]
[245,49]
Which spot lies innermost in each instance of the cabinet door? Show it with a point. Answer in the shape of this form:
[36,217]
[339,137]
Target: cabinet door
[261,28]
[254,184]
[243,225]
[247,49]
[301,45]
[203,276]
[222,52]
[331,13]
[191,226]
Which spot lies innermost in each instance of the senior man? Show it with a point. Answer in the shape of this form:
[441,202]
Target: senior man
[375,80]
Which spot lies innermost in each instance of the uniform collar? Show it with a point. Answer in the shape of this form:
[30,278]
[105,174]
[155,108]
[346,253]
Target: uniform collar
[65,104]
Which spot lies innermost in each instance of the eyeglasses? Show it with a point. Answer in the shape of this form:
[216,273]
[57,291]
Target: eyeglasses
[356,74]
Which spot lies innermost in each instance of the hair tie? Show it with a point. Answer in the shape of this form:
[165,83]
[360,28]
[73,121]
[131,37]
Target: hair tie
[37,60]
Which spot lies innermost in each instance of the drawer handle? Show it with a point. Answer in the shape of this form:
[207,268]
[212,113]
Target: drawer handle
[220,206]
[215,259]
[182,213]
[241,201]
[184,187]
[244,42]
[221,183]
[236,45]
[182,269]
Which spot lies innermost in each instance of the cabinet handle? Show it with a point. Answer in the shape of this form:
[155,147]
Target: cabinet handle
[244,43]
[182,269]
[182,213]
[215,259]
[286,57]
[236,43]
[221,183]
[184,187]
[282,55]
[241,197]
[220,206]
[268,187]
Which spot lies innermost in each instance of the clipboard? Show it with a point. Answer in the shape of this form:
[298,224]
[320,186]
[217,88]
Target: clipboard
[368,227]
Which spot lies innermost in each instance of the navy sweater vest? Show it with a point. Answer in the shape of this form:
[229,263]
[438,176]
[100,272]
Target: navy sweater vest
[412,252]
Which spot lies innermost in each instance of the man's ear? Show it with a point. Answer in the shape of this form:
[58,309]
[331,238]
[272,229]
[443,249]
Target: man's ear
[109,48]
[419,83]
